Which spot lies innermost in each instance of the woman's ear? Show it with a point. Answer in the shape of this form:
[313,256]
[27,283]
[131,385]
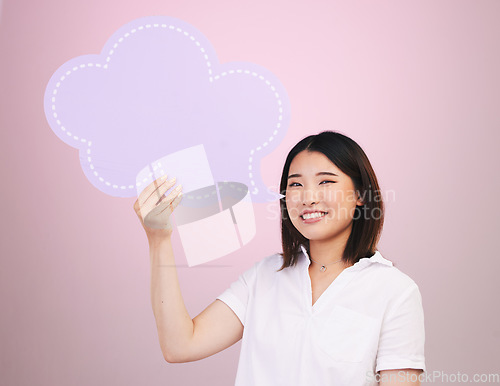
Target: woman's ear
[359,201]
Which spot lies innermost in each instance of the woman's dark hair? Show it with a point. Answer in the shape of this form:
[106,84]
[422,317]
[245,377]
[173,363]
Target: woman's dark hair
[368,219]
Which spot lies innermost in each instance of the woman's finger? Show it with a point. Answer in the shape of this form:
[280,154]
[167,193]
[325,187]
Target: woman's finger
[156,194]
[176,201]
[153,203]
[172,200]
[152,186]
[155,190]
[159,194]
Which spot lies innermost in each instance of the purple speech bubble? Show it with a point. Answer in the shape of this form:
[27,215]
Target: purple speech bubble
[157,88]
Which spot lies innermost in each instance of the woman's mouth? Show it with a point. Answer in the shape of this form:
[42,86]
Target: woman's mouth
[313,216]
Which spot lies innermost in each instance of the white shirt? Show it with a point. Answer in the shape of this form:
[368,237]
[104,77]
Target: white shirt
[369,319]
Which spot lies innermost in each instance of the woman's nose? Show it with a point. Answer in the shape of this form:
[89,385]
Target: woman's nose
[309,197]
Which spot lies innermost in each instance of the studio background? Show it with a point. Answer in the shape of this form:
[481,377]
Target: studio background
[416,84]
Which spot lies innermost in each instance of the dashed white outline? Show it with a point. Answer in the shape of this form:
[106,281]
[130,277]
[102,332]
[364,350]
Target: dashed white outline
[210,77]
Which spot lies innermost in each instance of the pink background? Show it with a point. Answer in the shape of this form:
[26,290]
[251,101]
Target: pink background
[415,83]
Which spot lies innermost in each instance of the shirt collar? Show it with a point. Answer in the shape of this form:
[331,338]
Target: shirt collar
[365,261]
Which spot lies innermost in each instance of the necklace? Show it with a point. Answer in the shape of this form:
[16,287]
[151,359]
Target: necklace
[323,266]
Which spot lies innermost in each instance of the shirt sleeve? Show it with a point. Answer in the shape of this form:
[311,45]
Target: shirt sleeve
[237,295]
[402,336]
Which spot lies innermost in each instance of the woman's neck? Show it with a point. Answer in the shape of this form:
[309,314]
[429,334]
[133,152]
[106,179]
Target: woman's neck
[328,251]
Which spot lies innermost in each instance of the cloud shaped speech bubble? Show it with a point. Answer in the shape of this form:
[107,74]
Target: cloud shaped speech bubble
[157,88]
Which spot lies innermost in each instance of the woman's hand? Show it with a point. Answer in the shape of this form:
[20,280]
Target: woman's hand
[154,208]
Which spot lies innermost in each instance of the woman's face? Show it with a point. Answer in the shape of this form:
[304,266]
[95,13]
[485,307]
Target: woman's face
[320,198]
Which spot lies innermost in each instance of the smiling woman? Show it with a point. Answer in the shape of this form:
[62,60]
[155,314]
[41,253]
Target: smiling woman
[329,310]
[330,172]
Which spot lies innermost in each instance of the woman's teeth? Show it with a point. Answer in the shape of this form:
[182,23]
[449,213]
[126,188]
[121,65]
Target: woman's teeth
[308,216]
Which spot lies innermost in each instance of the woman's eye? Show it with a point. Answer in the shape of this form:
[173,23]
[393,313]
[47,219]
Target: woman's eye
[327,182]
[294,184]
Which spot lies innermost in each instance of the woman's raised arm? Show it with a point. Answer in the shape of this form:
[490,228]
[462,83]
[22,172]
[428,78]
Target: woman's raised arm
[182,339]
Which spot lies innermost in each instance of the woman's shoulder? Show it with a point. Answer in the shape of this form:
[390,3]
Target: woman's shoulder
[272,262]
[384,271]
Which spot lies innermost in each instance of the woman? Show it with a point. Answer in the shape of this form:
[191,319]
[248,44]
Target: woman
[329,310]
